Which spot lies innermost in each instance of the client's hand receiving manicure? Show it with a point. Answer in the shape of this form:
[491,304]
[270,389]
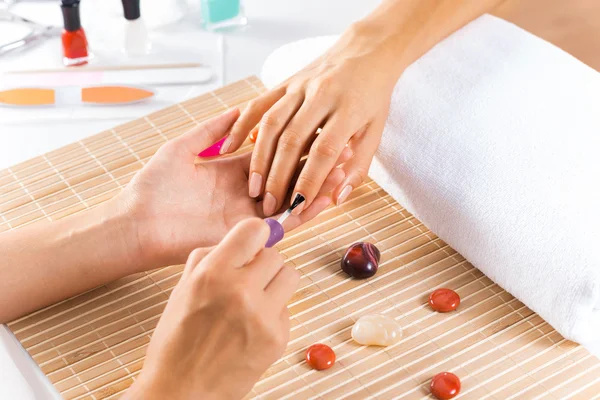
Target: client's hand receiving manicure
[225,324]
[177,205]
[346,92]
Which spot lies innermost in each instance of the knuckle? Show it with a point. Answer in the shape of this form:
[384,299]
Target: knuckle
[291,139]
[360,174]
[253,106]
[241,299]
[259,162]
[196,256]
[274,183]
[323,85]
[270,120]
[324,148]
[305,181]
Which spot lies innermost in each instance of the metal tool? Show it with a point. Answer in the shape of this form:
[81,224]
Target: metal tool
[38,32]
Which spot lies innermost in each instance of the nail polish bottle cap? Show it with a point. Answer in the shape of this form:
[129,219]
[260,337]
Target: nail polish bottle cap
[131,9]
[70,12]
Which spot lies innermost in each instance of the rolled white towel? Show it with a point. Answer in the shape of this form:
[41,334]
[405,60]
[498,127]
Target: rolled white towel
[493,142]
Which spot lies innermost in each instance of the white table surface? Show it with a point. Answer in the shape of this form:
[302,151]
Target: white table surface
[232,56]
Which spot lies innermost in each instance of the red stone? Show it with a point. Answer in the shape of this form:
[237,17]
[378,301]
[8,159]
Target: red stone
[445,386]
[320,356]
[444,300]
[361,260]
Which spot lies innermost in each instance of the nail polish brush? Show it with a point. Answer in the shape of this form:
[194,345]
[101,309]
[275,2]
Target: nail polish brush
[277,225]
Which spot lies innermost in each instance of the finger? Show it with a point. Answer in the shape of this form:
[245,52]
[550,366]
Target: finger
[289,151]
[264,267]
[335,177]
[283,286]
[317,206]
[322,158]
[347,154]
[271,126]
[206,135]
[250,118]
[357,167]
[240,245]
[193,260]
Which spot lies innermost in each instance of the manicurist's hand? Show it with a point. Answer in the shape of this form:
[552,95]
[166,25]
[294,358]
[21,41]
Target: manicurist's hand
[225,323]
[178,205]
[172,206]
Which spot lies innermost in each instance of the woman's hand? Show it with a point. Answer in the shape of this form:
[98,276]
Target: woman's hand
[225,323]
[346,92]
[178,205]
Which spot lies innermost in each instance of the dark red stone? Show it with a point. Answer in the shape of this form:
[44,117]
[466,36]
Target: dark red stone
[361,260]
[445,386]
[320,356]
[444,300]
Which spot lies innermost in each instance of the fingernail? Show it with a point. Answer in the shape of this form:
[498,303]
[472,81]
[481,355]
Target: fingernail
[255,184]
[269,204]
[226,144]
[301,201]
[213,150]
[344,195]
[276,232]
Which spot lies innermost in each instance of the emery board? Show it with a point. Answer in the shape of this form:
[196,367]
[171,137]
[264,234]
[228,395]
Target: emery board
[92,346]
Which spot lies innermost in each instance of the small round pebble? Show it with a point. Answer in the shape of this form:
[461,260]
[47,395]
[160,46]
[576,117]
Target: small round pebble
[361,260]
[320,356]
[445,386]
[444,300]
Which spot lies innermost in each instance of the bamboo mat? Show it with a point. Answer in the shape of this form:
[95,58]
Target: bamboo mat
[92,346]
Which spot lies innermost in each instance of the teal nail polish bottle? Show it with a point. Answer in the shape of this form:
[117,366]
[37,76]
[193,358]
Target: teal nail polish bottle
[222,14]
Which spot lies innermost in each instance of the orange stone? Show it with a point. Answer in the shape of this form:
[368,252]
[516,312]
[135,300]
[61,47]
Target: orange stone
[320,356]
[254,134]
[445,386]
[444,300]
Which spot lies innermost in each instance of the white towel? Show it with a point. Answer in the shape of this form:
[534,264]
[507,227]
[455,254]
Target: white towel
[493,142]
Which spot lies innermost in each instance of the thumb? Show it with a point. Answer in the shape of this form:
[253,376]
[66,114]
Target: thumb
[207,136]
[240,245]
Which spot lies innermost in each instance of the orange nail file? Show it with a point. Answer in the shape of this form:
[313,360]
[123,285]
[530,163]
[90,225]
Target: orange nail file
[99,95]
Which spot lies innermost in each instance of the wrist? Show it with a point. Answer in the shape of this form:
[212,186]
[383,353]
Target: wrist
[118,234]
[371,41]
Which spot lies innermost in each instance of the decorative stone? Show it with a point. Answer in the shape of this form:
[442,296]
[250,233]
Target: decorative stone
[376,329]
[320,356]
[444,300]
[276,232]
[361,260]
[445,386]
[253,135]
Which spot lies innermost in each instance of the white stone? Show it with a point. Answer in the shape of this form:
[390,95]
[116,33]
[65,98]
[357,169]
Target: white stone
[376,329]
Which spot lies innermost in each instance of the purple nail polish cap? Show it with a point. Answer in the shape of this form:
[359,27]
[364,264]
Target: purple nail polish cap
[213,150]
[276,232]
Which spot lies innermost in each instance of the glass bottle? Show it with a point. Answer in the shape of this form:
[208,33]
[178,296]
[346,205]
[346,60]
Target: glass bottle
[219,15]
[74,41]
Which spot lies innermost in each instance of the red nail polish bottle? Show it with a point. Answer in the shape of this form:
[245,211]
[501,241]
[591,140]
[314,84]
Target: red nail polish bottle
[74,42]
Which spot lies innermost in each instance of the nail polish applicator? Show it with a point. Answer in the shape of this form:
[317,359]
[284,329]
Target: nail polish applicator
[276,225]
